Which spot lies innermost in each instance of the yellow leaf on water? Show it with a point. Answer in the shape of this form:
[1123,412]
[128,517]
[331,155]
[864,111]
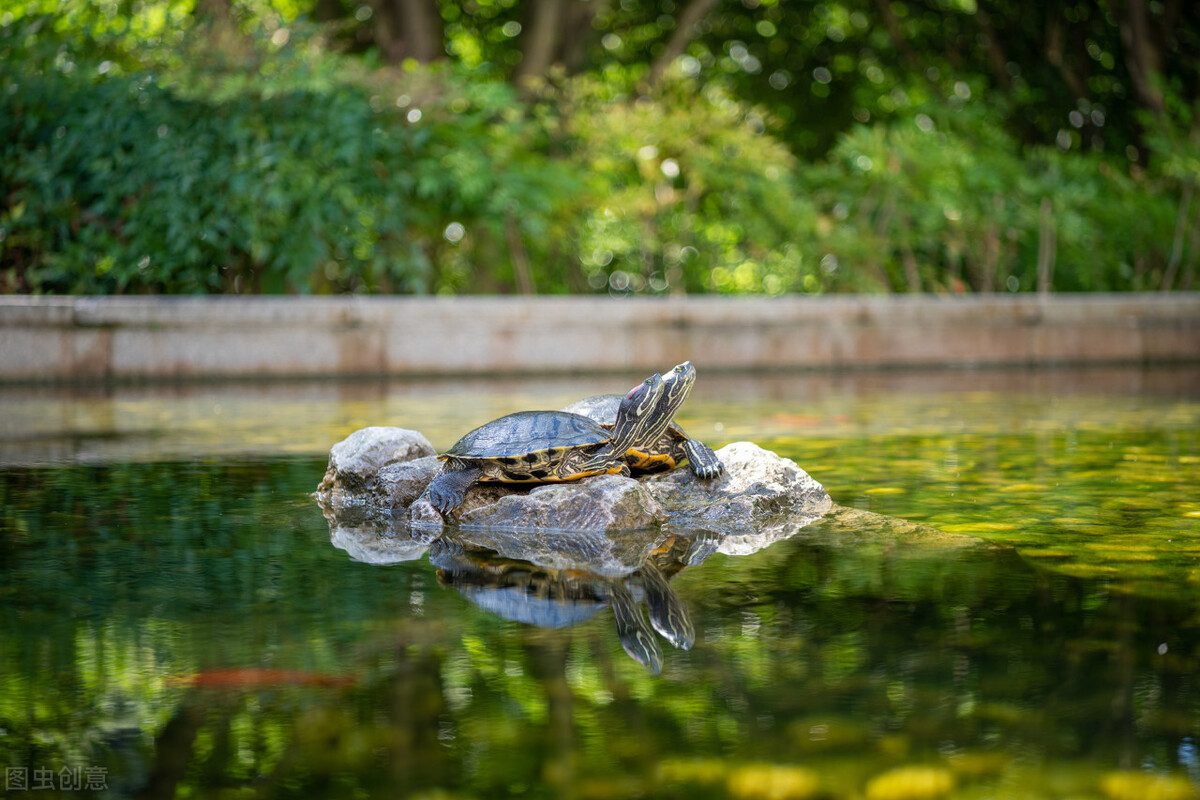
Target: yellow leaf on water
[911,783]
[772,782]
[1141,786]
[978,527]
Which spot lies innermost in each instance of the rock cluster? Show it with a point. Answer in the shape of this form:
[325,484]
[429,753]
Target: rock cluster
[761,496]
[377,466]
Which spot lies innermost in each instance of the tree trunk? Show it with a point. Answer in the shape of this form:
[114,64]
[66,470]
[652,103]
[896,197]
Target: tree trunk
[1047,247]
[1181,220]
[408,29]
[520,260]
[1189,273]
[1056,33]
[217,12]
[423,29]
[912,269]
[1142,57]
[685,30]
[995,52]
[386,30]
[578,32]
[897,36]
[542,39]
[328,11]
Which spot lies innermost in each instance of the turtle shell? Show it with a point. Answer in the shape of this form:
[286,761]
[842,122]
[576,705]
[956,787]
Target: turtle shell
[528,445]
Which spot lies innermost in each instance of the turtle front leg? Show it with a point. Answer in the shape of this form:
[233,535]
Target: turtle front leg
[668,614]
[702,460]
[632,631]
[447,490]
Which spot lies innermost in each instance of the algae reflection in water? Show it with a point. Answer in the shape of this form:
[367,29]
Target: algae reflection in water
[189,628]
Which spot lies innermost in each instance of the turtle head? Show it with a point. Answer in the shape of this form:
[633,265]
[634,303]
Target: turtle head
[638,410]
[667,396]
[678,383]
[642,400]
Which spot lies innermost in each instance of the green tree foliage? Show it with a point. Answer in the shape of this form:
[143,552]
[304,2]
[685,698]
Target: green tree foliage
[564,146]
[950,201]
[692,194]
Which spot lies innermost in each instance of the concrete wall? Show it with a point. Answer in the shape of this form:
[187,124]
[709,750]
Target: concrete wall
[134,338]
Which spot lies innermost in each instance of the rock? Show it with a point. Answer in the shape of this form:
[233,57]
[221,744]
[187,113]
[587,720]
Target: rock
[424,515]
[356,463]
[358,458]
[605,502]
[761,493]
[481,495]
[761,497]
[398,485]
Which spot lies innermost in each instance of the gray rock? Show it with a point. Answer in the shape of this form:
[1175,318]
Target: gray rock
[358,468]
[398,485]
[605,502]
[422,514]
[481,495]
[762,496]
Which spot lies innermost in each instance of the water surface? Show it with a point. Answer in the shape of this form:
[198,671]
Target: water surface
[178,622]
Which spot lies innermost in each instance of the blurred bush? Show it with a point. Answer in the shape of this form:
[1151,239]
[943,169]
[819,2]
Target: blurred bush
[691,193]
[267,163]
[273,173]
[945,200]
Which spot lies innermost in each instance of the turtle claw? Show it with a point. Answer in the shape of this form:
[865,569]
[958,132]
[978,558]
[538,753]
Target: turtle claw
[444,501]
[703,460]
[447,491]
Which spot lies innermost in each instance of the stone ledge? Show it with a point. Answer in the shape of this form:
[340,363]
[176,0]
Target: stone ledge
[163,338]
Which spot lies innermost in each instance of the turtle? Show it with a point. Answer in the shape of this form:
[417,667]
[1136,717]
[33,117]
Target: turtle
[668,449]
[549,446]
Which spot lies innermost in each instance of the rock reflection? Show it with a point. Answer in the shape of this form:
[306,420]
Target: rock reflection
[556,578]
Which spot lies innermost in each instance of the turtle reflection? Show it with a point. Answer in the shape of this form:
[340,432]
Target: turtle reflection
[565,579]
[548,578]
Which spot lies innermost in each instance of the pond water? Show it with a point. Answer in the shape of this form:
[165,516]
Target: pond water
[178,622]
